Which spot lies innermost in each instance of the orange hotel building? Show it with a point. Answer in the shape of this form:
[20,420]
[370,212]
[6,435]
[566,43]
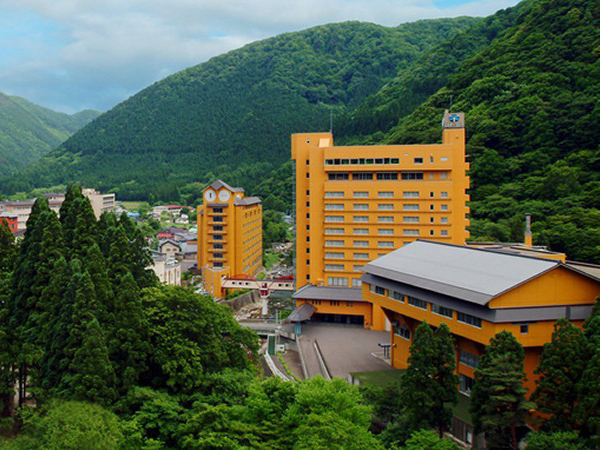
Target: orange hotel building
[229,235]
[477,293]
[357,203]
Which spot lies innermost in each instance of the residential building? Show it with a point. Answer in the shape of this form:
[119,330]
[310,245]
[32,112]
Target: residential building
[22,210]
[11,220]
[477,293]
[354,204]
[167,269]
[169,247]
[229,235]
[100,202]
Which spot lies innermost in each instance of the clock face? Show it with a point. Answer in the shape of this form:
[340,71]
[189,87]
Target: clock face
[210,195]
[224,196]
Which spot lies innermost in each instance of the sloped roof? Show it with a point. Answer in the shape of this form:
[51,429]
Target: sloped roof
[310,292]
[246,201]
[216,185]
[471,274]
[302,313]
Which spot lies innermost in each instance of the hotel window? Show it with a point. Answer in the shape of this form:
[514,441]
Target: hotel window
[334,206]
[218,219]
[334,267]
[334,255]
[410,194]
[410,232]
[444,207]
[361,231]
[361,194]
[218,228]
[410,207]
[431,207]
[402,331]
[444,158]
[444,220]
[361,243]
[217,246]
[361,218]
[444,195]
[418,160]
[362,176]
[417,302]
[466,384]
[468,359]
[334,231]
[379,290]
[218,255]
[357,268]
[468,319]
[412,175]
[410,219]
[385,207]
[443,175]
[335,194]
[430,232]
[384,219]
[361,206]
[385,232]
[387,176]
[337,176]
[218,210]
[396,296]
[361,256]
[444,232]
[385,194]
[441,310]
[218,237]
[334,218]
[334,302]
[385,244]
[217,264]
[524,328]
[356,282]
[337,281]
[331,243]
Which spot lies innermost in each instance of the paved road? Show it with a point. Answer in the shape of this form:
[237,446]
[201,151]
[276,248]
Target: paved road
[345,349]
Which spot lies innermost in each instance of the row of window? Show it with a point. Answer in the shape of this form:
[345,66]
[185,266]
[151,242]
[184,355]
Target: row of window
[368,161]
[435,308]
[380,231]
[343,281]
[381,176]
[381,194]
[405,219]
[380,207]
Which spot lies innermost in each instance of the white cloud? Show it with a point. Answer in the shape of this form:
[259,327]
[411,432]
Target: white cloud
[93,54]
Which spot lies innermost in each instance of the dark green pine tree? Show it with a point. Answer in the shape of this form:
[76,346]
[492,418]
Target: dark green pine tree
[445,377]
[140,257]
[86,233]
[106,226]
[68,213]
[8,252]
[419,388]
[95,264]
[119,256]
[560,369]
[587,411]
[498,404]
[128,344]
[55,295]
[91,376]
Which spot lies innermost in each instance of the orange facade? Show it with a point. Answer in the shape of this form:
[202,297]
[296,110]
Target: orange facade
[229,235]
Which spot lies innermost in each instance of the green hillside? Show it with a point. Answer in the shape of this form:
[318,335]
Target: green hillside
[28,131]
[232,116]
[531,104]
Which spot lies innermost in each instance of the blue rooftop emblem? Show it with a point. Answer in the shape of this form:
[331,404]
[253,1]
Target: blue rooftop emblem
[454,118]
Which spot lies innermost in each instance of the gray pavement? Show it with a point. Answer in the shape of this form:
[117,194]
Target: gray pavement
[345,349]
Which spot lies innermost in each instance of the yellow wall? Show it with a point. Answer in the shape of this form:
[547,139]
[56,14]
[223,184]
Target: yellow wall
[341,307]
[310,152]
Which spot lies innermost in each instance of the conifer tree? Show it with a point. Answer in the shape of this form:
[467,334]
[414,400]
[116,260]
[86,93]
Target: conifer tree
[91,376]
[140,257]
[8,252]
[95,264]
[85,231]
[128,344]
[446,380]
[560,369]
[68,213]
[498,404]
[418,383]
[106,226]
[587,410]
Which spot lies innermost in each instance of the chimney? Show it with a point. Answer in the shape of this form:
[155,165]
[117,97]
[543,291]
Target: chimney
[528,236]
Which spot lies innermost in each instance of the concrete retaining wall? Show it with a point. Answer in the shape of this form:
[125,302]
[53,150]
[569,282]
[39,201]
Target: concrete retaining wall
[239,302]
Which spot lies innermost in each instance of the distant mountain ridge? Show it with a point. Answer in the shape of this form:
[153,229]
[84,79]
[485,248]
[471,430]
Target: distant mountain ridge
[29,131]
[232,116]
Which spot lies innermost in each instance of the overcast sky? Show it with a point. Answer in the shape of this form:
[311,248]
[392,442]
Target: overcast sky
[71,55]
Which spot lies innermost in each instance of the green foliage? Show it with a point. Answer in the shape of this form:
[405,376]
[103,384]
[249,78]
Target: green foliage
[498,402]
[560,440]
[428,440]
[560,369]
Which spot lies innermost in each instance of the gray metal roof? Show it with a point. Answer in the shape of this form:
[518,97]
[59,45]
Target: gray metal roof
[246,201]
[470,274]
[310,292]
[302,313]
[220,183]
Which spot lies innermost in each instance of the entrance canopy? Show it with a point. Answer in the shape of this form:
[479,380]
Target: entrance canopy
[302,313]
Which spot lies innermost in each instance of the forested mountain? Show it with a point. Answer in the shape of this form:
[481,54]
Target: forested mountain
[531,104]
[28,131]
[232,116]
